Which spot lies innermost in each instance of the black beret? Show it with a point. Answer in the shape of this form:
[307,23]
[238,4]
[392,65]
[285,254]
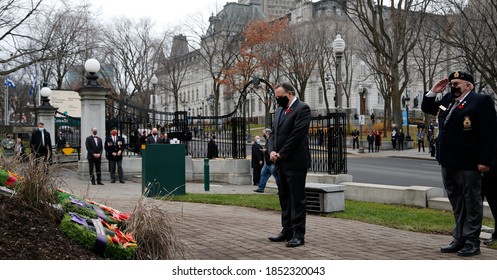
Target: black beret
[462,76]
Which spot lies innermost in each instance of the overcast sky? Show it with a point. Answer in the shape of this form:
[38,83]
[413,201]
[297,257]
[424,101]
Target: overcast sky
[162,12]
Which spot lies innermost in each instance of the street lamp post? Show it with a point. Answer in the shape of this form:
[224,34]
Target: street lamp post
[406,100]
[154,82]
[250,116]
[361,119]
[338,48]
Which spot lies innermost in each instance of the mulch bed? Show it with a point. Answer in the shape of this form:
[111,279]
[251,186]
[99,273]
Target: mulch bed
[26,234]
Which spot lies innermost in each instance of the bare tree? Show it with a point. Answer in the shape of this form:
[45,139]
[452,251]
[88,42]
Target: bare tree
[174,67]
[477,20]
[73,38]
[392,33]
[131,55]
[299,48]
[16,45]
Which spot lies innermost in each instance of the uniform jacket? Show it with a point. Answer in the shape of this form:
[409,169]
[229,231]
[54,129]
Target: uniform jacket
[114,147]
[290,136]
[92,148]
[468,138]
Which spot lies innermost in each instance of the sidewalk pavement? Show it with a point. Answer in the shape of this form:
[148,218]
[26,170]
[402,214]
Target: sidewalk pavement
[215,232]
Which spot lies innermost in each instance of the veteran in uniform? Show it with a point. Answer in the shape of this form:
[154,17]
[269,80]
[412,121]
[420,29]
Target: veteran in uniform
[465,147]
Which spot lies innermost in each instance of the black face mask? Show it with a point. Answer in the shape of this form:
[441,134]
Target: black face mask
[282,101]
[265,137]
[94,133]
[456,92]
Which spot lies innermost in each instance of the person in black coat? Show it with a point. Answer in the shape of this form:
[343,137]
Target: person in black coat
[289,146]
[114,147]
[94,147]
[154,138]
[466,145]
[400,140]
[257,160]
[41,143]
[212,151]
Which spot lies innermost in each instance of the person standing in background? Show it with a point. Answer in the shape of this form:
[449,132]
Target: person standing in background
[257,160]
[94,148]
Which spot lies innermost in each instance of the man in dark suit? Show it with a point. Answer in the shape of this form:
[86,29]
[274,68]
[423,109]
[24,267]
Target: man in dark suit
[41,143]
[257,160]
[114,147]
[154,138]
[465,148]
[289,146]
[212,150]
[94,147]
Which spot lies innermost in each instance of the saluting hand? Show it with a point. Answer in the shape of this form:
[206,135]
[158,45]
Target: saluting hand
[440,85]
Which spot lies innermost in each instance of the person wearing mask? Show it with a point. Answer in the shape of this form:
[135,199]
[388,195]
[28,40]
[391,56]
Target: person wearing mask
[114,147]
[154,138]
[421,139]
[466,146]
[8,146]
[370,139]
[212,151]
[289,150]
[269,168]
[257,160]
[164,139]
[94,148]
[41,143]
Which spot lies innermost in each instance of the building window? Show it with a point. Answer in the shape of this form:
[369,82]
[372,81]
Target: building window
[320,95]
[363,69]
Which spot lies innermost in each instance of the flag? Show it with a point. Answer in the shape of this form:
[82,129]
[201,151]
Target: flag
[33,87]
[9,83]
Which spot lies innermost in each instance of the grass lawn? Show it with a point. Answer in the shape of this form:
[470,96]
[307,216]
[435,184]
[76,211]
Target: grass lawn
[394,216]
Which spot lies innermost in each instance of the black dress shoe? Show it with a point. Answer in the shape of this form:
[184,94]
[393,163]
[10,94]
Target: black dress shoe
[453,247]
[113,181]
[295,242]
[469,250]
[122,181]
[100,183]
[489,241]
[93,183]
[259,191]
[280,238]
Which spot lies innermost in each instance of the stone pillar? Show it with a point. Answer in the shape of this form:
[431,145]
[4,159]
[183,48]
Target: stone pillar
[92,115]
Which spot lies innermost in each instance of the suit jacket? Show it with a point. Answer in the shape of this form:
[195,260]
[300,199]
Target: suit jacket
[36,143]
[468,138]
[257,155]
[114,147]
[290,136]
[92,148]
[150,140]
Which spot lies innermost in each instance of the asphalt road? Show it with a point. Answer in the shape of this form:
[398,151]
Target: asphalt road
[395,171]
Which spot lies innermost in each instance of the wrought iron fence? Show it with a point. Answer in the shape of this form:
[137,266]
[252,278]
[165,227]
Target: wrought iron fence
[327,135]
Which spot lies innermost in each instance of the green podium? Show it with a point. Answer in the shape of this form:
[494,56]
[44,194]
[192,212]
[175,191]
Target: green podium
[163,170]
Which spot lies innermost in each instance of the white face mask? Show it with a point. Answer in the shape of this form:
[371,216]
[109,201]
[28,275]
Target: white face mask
[258,141]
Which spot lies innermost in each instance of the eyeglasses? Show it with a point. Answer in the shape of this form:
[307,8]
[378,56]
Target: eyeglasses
[455,84]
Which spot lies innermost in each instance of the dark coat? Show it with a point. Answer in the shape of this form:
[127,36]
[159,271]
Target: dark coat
[468,138]
[212,151]
[150,140]
[36,145]
[257,155]
[290,136]
[111,147]
[92,148]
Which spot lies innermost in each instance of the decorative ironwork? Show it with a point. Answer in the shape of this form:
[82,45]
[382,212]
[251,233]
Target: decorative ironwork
[67,134]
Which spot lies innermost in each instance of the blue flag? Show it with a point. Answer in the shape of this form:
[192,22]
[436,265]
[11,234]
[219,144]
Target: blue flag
[33,87]
[9,83]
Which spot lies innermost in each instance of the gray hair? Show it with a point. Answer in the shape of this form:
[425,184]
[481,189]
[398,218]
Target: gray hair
[267,130]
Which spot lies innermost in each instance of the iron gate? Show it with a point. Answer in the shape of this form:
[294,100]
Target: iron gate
[67,134]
